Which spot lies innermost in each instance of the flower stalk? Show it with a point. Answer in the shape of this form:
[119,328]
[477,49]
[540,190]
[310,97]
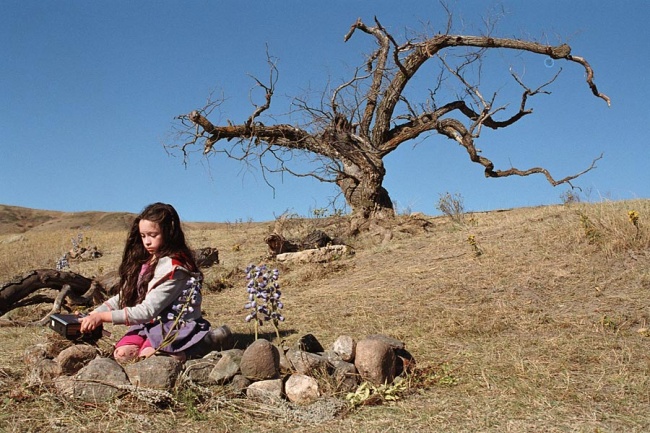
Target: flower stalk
[264,296]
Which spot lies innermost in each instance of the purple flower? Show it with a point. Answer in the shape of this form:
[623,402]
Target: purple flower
[263,295]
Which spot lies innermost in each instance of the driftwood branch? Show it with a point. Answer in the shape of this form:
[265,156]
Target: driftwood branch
[20,287]
[78,289]
[278,244]
[56,308]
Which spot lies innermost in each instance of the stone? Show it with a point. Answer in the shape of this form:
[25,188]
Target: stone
[346,376]
[198,371]
[345,346]
[72,359]
[155,372]
[331,356]
[405,362]
[34,354]
[285,365]
[43,371]
[64,386]
[318,255]
[227,367]
[308,343]
[301,389]
[307,363]
[260,361]
[99,381]
[392,342]
[239,383]
[265,391]
[375,361]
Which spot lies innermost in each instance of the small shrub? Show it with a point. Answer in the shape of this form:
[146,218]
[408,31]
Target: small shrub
[569,197]
[614,228]
[591,232]
[471,240]
[452,206]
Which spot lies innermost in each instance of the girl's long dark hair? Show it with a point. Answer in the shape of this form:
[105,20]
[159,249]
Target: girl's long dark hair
[132,288]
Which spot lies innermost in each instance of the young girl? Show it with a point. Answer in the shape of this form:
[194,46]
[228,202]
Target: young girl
[159,293]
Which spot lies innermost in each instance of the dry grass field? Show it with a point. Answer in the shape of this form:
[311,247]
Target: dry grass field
[523,320]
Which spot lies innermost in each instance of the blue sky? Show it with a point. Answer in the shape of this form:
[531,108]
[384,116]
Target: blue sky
[89,93]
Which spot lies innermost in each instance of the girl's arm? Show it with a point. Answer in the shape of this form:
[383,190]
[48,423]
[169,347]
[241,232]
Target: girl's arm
[99,315]
[93,320]
[154,303]
[110,304]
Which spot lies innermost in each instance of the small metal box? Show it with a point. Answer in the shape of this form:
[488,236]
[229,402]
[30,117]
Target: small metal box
[68,326]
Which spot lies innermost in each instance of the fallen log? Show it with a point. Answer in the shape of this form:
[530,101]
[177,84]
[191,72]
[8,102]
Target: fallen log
[79,290]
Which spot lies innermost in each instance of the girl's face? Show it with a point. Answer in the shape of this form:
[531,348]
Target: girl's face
[151,236]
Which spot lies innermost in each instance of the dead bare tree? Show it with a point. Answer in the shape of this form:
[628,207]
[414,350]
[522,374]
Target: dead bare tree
[370,115]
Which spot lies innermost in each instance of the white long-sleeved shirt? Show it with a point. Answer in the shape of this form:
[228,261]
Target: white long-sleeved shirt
[169,285]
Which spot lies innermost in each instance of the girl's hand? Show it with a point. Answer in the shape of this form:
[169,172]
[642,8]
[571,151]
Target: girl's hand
[90,322]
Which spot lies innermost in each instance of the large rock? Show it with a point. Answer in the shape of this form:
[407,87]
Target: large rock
[405,361]
[34,354]
[318,255]
[98,381]
[392,342]
[227,367]
[285,364]
[301,389]
[64,386]
[307,363]
[155,372]
[266,391]
[375,361]
[43,371]
[260,361]
[345,346]
[346,376]
[198,371]
[74,358]
[239,383]
[308,343]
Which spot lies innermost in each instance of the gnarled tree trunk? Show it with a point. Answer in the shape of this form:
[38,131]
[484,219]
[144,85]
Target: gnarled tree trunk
[365,194]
